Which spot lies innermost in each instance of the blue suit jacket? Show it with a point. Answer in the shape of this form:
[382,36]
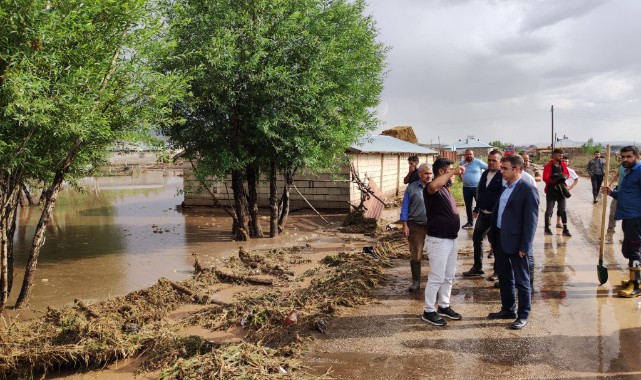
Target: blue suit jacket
[518,223]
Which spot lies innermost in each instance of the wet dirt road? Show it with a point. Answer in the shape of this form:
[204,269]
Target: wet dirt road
[577,329]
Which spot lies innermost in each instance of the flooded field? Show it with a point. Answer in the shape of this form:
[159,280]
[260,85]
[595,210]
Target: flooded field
[123,233]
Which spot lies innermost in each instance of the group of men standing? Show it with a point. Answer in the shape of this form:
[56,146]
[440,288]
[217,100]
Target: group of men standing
[506,211]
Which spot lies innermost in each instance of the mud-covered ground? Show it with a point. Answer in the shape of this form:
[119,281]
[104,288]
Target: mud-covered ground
[577,329]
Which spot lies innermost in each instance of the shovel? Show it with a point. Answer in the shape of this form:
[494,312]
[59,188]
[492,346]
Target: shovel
[601,270]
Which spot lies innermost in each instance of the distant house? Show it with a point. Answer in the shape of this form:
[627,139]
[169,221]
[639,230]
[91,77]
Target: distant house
[378,160]
[480,149]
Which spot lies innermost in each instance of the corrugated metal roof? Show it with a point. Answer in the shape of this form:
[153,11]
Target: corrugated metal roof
[387,144]
[469,143]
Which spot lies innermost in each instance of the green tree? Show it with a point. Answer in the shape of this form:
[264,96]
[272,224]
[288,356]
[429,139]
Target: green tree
[277,86]
[74,77]
[498,144]
[590,148]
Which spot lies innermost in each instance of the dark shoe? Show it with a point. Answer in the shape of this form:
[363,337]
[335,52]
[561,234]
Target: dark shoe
[474,272]
[497,285]
[547,231]
[468,226]
[449,313]
[559,225]
[566,232]
[433,318]
[490,255]
[595,201]
[503,314]
[518,324]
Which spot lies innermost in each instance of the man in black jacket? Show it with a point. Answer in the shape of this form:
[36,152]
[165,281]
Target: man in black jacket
[489,191]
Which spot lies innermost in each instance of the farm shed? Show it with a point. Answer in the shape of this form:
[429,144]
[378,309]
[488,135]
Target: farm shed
[380,159]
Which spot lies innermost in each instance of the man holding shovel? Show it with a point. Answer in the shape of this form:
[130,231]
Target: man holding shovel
[628,210]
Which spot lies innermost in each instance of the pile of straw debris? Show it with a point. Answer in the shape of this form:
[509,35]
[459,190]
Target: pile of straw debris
[275,312]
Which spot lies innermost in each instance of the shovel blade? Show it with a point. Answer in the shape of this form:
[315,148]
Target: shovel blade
[602,273]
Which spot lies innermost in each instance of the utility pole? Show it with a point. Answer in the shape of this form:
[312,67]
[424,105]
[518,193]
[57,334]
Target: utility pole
[552,111]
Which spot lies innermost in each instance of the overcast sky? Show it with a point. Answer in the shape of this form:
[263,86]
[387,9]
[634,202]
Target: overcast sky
[493,69]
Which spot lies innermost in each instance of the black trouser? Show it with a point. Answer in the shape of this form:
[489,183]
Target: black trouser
[483,224]
[550,198]
[514,280]
[597,180]
[631,247]
[469,194]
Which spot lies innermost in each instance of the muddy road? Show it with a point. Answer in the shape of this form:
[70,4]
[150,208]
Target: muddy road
[577,328]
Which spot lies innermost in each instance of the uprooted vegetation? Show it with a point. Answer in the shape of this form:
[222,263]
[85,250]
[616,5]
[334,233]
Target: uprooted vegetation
[277,310]
[356,222]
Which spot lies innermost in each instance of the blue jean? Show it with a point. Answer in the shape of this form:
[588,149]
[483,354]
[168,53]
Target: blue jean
[514,275]
[469,194]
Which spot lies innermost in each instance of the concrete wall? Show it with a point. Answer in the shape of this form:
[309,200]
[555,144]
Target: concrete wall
[323,191]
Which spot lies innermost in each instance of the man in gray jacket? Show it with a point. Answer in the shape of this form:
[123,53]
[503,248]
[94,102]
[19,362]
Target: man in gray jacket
[596,170]
[414,221]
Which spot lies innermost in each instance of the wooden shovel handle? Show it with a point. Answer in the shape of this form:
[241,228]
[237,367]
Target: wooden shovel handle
[604,208]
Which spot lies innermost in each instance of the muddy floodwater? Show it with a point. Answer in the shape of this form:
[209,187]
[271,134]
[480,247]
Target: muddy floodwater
[123,233]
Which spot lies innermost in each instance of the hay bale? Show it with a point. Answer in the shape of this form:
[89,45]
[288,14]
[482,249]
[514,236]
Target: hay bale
[405,133]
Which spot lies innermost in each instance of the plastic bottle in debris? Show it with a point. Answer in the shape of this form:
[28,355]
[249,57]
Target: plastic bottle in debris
[291,318]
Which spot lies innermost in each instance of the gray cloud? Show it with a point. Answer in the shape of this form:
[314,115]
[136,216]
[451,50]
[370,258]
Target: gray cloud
[544,13]
[477,66]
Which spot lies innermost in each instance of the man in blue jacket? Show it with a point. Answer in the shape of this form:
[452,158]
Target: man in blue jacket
[628,210]
[514,220]
[489,191]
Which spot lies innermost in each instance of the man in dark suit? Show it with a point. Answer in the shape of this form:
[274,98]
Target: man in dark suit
[514,220]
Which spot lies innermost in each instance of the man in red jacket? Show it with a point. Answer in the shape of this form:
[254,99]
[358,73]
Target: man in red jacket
[554,175]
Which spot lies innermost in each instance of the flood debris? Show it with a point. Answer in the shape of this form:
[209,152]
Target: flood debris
[392,244]
[356,222]
[275,322]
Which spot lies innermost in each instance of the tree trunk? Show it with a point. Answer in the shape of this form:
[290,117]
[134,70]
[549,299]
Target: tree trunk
[9,200]
[273,201]
[10,254]
[50,197]
[284,200]
[241,228]
[28,199]
[252,183]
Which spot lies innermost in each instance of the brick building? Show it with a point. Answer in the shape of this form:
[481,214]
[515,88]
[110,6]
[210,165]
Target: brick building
[381,160]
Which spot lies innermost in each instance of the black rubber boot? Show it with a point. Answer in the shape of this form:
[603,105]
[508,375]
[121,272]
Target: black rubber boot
[416,276]
[547,229]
